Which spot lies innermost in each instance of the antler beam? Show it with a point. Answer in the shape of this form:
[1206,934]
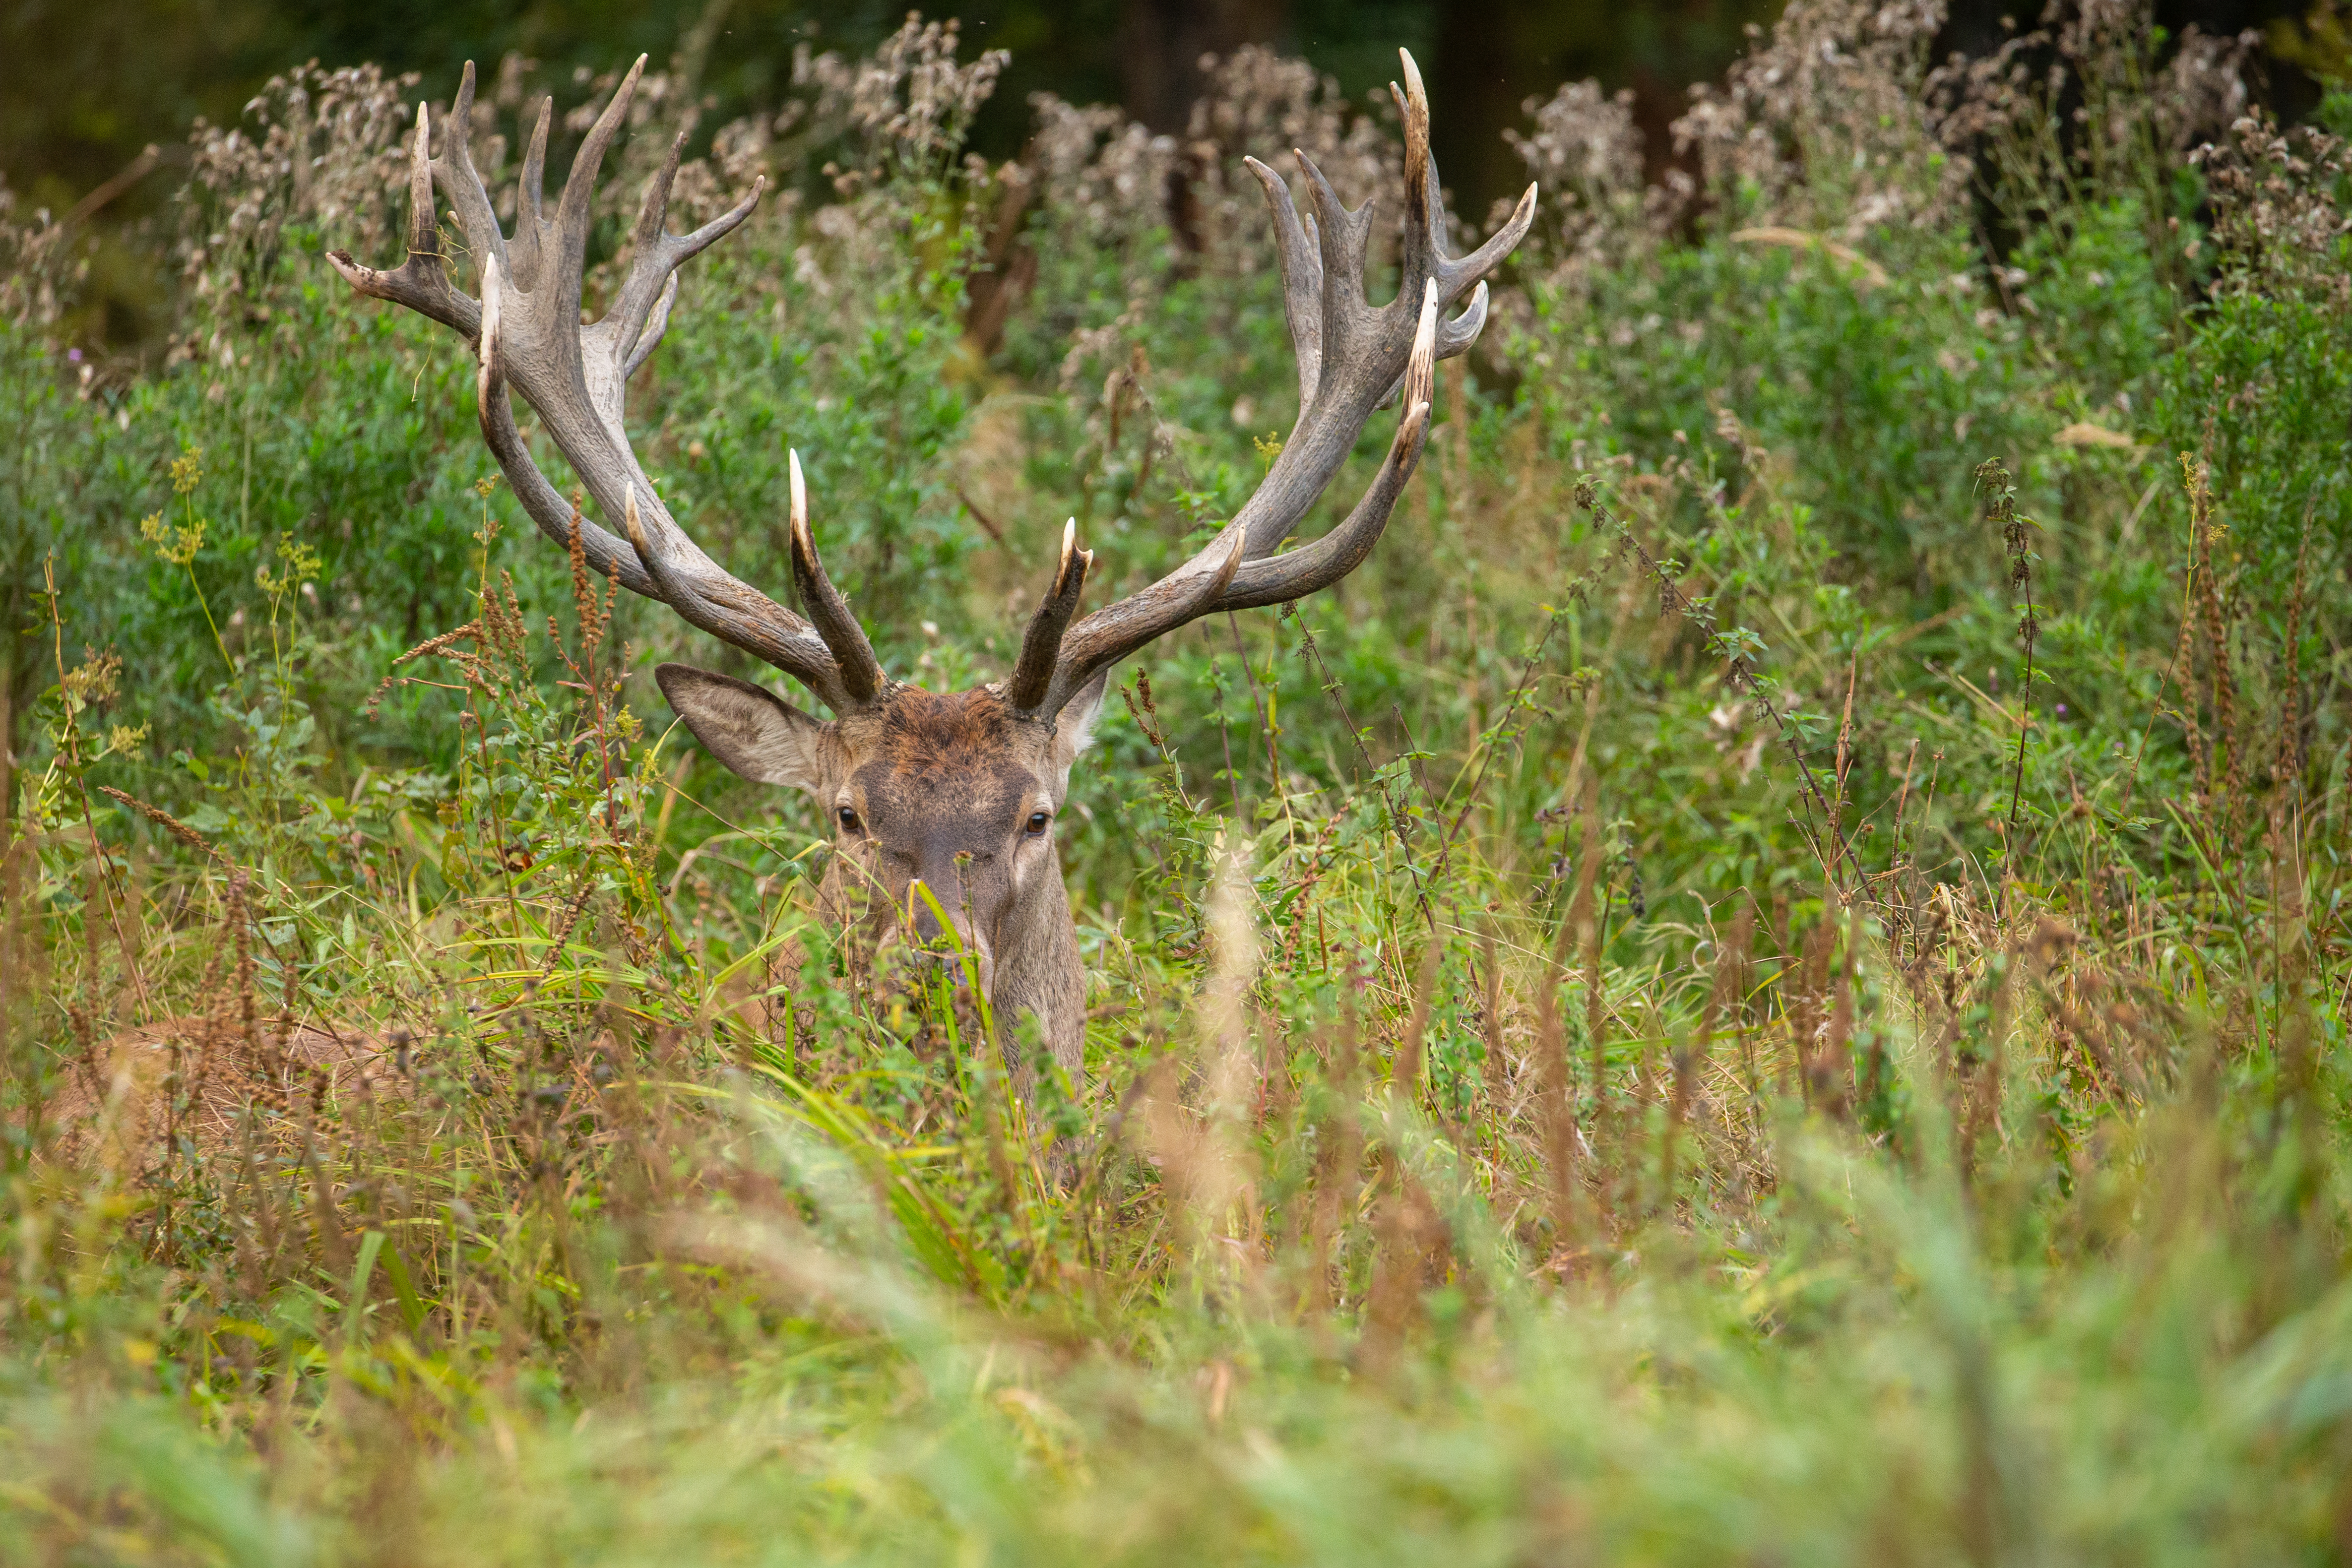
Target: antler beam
[1237,583]
[1351,357]
[526,328]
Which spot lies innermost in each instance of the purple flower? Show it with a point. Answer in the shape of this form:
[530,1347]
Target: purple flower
[73,356]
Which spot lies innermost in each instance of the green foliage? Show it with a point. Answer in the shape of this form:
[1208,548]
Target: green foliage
[1765,981]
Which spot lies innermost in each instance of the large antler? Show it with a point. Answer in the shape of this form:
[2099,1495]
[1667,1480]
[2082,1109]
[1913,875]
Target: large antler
[1352,356]
[527,328]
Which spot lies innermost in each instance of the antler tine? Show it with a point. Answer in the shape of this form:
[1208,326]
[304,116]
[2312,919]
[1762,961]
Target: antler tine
[751,624]
[1456,336]
[1041,645]
[1432,190]
[649,337]
[1114,631]
[1302,278]
[649,287]
[530,202]
[455,169]
[648,279]
[678,250]
[571,208]
[685,247]
[667,588]
[861,672]
[1278,578]
[1427,240]
[1351,341]
[421,282]
[1457,273]
[1453,337]
[423,232]
[654,208]
[1423,205]
[1344,238]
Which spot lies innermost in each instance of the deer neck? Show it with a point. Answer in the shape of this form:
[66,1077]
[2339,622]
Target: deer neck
[1038,971]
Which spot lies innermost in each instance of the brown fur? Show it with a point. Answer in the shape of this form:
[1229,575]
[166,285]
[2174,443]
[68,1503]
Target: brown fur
[121,1112]
[941,787]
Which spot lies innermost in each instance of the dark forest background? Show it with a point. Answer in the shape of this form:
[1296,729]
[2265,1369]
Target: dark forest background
[85,88]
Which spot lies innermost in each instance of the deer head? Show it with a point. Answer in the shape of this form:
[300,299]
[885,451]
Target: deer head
[958,791]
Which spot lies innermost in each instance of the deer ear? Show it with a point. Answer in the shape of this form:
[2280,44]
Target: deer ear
[758,735]
[1074,727]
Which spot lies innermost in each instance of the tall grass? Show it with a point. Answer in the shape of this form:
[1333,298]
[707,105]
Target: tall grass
[1662,1022]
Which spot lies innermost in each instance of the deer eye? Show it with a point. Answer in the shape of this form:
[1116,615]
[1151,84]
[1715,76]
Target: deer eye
[849,822]
[1037,822]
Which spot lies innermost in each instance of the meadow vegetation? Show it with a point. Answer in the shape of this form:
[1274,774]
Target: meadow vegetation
[1766,983]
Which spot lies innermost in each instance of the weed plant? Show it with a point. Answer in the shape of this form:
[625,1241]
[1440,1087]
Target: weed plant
[1766,983]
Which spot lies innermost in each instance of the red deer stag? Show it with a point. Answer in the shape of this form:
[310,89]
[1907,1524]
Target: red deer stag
[956,790]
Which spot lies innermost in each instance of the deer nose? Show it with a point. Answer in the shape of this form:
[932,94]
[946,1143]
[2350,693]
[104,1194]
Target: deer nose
[945,897]
[968,939]
[927,924]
